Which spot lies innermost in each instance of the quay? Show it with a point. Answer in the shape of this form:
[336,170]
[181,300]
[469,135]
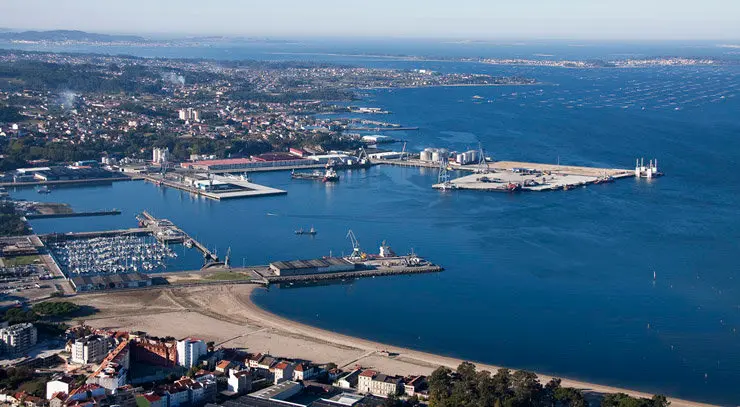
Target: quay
[508,176]
[382,129]
[89,181]
[71,214]
[215,187]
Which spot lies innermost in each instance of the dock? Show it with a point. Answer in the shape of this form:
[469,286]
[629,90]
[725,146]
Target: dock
[166,231]
[71,214]
[508,176]
[230,187]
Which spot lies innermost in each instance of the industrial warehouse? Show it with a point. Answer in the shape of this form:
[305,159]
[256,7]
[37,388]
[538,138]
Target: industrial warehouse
[302,267]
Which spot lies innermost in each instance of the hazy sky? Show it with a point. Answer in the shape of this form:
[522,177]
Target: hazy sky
[480,19]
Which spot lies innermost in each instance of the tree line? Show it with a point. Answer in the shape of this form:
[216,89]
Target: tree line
[467,387]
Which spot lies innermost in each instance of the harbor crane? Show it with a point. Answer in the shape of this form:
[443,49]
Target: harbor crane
[404,153]
[357,253]
[482,163]
[444,177]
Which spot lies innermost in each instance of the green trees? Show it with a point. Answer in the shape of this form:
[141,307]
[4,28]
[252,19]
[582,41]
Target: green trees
[466,387]
[624,400]
[11,223]
[55,308]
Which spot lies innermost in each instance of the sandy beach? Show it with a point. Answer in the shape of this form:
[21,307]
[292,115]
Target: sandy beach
[226,315]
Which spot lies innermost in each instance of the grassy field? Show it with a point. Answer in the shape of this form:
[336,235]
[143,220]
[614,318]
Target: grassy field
[20,260]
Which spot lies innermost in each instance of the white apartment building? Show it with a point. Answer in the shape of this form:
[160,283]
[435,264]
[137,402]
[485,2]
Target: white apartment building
[16,340]
[90,349]
[189,351]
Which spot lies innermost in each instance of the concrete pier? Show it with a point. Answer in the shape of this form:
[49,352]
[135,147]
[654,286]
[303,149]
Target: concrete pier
[242,188]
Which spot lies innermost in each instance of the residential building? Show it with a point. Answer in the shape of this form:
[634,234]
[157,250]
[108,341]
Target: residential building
[305,371]
[282,371]
[379,384]
[209,385]
[59,384]
[349,380]
[189,351]
[18,339]
[239,381]
[90,349]
[160,155]
[414,384]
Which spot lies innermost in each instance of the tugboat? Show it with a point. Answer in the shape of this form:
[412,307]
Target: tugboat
[44,190]
[330,175]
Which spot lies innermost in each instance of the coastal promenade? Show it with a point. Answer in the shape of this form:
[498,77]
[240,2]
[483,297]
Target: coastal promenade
[227,315]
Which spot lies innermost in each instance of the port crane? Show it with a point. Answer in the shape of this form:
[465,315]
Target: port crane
[357,253]
[482,163]
[444,177]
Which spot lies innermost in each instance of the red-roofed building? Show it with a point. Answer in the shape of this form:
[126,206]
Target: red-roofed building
[282,371]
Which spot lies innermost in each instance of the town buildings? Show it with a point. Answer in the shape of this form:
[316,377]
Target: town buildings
[18,339]
[379,384]
[160,155]
[189,351]
[90,349]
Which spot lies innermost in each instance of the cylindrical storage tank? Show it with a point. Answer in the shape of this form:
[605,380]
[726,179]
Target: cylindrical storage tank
[444,153]
[436,156]
[460,158]
[425,156]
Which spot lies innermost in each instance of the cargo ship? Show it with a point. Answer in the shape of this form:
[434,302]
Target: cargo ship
[330,175]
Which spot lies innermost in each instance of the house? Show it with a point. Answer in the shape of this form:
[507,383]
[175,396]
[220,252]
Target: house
[223,366]
[282,371]
[239,381]
[87,392]
[57,400]
[210,388]
[378,384]
[305,371]
[177,395]
[59,384]
[333,374]
[414,384]
[196,390]
[348,380]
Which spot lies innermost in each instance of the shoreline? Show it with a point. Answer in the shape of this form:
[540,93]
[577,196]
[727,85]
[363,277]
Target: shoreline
[227,315]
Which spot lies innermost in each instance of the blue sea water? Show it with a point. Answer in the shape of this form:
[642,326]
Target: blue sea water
[556,282]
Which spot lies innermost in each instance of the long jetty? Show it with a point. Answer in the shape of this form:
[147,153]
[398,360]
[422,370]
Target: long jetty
[71,214]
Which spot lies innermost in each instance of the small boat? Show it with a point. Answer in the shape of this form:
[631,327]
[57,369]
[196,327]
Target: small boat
[309,232]
[44,190]
[189,244]
[512,187]
[330,176]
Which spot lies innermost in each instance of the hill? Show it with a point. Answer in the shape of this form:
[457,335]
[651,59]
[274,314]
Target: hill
[67,35]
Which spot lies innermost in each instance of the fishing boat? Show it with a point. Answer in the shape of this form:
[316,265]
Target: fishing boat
[310,232]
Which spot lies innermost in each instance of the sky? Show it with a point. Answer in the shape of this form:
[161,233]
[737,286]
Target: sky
[468,19]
